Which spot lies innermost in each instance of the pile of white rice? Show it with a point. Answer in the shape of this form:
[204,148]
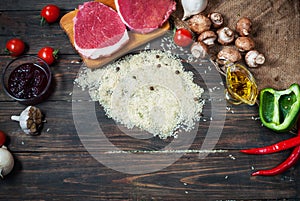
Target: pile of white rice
[149,90]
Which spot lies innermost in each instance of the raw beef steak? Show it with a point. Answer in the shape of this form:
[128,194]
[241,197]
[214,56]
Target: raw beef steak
[144,16]
[98,30]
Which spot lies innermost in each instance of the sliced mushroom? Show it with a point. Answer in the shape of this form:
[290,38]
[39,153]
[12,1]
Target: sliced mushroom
[253,58]
[216,19]
[225,35]
[244,26]
[208,37]
[228,54]
[244,43]
[199,23]
[199,49]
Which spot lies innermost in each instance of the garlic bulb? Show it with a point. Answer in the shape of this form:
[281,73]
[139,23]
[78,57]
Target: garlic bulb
[30,120]
[6,162]
[192,7]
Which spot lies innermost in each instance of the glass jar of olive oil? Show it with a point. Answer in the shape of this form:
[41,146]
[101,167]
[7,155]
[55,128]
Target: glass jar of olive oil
[240,85]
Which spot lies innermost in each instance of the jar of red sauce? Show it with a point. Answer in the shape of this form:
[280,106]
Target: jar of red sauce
[27,79]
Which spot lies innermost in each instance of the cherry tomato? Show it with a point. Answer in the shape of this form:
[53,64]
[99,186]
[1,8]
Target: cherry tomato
[183,37]
[15,47]
[48,54]
[50,13]
[2,138]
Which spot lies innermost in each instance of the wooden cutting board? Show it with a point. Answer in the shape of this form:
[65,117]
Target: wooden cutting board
[135,39]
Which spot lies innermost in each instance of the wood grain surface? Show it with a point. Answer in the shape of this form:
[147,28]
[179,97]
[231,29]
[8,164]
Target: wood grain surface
[135,39]
[57,166]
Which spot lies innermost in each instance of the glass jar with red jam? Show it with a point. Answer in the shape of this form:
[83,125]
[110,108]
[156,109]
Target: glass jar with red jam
[27,79]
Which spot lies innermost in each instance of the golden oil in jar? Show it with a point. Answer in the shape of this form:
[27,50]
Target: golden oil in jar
[240,85]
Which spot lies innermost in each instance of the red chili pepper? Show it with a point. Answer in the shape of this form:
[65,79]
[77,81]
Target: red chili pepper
[280,146]
[282,167]
[285,165]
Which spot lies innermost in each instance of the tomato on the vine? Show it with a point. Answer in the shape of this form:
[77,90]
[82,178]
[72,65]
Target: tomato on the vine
[183,37]
[15,47]
[2,138]
[50,13]
[48,54]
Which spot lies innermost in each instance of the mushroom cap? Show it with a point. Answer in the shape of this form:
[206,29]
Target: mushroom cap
[243,26]
[225,35]
[207,37]
[244,43]
[199,49]
[228,54]
[216,19]
[199,23]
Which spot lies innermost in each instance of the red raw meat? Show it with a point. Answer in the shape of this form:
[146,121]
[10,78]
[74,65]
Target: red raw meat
[144,16]
[98,30]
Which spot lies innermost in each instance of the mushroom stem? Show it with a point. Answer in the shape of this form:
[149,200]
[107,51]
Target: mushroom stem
[15,118]
[260,59]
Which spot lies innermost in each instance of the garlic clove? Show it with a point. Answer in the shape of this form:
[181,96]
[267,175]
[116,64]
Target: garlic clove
[30,120]
[192,7]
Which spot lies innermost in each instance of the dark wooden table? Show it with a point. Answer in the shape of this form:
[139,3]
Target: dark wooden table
[56,166]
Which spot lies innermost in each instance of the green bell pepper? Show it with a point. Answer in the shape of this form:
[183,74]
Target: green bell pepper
[278,110]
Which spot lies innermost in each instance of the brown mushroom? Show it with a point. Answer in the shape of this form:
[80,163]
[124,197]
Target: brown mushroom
[199,23]
[253,58]
[244,43]
[216,19]
[225,35]
[208,37]
[199,49]
[228,54]
[244,26]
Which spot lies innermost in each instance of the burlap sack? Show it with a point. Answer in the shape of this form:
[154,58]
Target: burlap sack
[276,32]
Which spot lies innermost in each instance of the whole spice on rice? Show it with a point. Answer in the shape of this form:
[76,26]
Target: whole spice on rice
[167,107]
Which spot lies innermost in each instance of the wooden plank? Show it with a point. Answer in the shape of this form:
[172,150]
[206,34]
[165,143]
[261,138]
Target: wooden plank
[135,39]
[56,165]
[75,175]
[13,24]
[64,72]
[59,132]
[15,5]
